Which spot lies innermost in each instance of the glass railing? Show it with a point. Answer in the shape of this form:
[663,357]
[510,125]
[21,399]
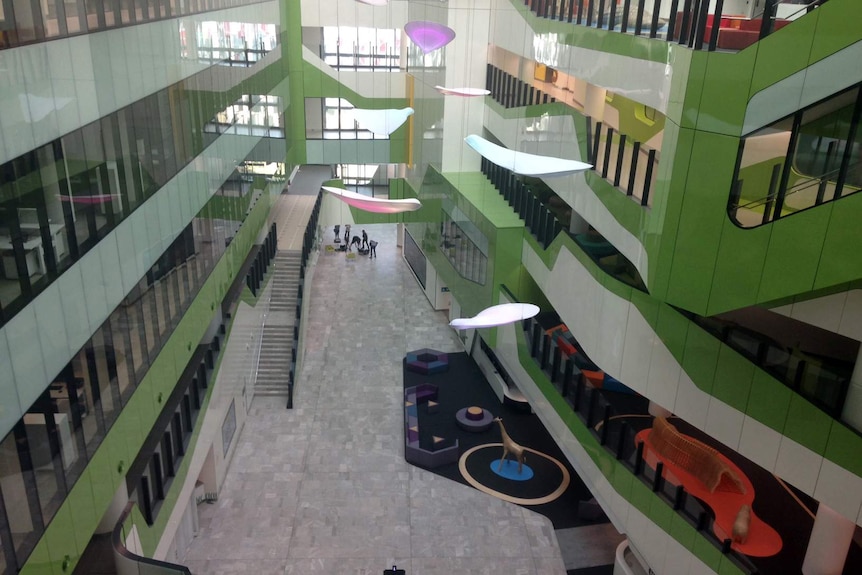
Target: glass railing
[822,381]
[545,215]
[129,562]
[627,164]
[615,415]
[805,193]
[687,22]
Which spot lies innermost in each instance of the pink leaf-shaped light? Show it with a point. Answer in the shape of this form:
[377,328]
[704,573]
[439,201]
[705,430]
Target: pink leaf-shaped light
[429,36]
[374,205]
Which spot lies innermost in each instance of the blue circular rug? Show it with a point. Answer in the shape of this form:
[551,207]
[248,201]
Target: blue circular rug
[510,470]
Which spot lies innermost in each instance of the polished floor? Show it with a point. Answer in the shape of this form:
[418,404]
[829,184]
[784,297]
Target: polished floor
[324,488]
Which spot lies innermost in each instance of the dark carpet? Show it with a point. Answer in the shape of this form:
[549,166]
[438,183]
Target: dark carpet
[464,385]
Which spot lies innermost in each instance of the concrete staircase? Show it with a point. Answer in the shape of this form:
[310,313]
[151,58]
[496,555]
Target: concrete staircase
[273,371]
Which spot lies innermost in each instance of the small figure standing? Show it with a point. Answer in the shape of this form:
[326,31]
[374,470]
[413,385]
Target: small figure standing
[337,234]
[372,249]
[355,242]
[346,233]
[364,240]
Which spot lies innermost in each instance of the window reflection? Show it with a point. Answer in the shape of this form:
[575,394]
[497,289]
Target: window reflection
[44,455]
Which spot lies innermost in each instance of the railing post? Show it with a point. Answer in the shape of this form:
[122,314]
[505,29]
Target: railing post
[778,199]
[607,158]
[620,154]
[769,8]
[716,21]
[597,137]
[684,31]
[621,439]
[653,27]
[630,190]
[648,178]
[606,423]
[589,121]
[600,15]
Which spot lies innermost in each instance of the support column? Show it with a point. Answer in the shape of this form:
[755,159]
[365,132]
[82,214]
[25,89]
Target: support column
[829,543]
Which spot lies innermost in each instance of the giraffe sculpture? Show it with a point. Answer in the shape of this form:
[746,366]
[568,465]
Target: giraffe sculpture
[510,447]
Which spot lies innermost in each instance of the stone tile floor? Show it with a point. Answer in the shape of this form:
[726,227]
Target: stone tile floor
[324,488]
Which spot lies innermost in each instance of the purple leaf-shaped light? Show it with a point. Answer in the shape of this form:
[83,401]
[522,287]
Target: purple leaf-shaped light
[429,36]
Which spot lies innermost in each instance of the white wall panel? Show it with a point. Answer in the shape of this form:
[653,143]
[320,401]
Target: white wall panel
[636,356]
[70,286]
[52,324]
[724,423]
[760,443]
[663,378]
[112,277]
[11,408]
[16,131]
[95,293]
[839,489]
[798,465]
[26,351]
[692,404]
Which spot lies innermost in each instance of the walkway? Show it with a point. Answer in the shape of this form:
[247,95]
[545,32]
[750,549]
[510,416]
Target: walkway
[324,488]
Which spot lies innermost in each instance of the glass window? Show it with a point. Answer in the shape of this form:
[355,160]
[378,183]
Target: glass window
[18,485]
[44,450]
[28,25]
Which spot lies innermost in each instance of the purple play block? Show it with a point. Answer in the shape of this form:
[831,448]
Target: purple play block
[427,361]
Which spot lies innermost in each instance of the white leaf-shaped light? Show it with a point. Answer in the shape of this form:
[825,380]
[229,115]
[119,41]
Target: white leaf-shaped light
[466,92]
[374,205]
[381,122]
[497,315]
[523,163]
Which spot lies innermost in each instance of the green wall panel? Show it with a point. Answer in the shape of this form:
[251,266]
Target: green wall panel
[83,509]
[660,241]
[707,552]
[701,220]
[39,562]
[733,376]
[693,89]
[837,27]
[840,261]
[844,448]
[725,91]
[738,267]
[661,513]
[768,401]
[682,531]
[672,328]
[807,425]
[794,253]
[701,357]
[61,546]
[784,52]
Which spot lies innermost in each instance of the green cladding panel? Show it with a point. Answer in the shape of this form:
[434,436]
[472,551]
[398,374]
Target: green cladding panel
[784,52]
[794,253]
[725,91]
[837,27]
[738,267]
[701,219]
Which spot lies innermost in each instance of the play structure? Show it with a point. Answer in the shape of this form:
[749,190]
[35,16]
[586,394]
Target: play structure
[710,476]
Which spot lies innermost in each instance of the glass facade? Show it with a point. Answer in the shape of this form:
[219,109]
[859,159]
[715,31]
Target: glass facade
[799,162]
[25,22]
[50,446]
[57,201]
